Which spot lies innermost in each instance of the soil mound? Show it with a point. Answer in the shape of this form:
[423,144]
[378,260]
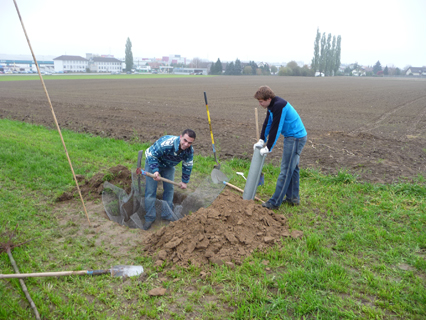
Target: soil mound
[119,176]
[226,232]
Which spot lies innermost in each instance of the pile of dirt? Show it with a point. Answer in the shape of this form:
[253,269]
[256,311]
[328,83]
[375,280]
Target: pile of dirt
[119,176]
[226,232]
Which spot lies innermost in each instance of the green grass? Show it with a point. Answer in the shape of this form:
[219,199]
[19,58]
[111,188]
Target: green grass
[90,76]
[363,254]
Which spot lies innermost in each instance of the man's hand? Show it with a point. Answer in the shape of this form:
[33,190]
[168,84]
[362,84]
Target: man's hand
[264,151]
[138,171]
[258,144]
[182,185]
[157,176]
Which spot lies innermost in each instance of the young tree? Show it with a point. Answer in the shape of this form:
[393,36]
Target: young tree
[213,68]
[386,71]
[247,70]
[294,67]
[316,58]
[377,67]
[253,66]
[129,55]
[323,55]
[327,55]
[265,70]
[219,68]
[237,67]
[216,68]
[332,59]
[285,71]
[337,54]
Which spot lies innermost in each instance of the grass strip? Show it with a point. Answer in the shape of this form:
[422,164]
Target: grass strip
[363,254]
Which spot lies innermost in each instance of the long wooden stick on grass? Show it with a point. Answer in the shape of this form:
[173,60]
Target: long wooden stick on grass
[53,112]
[21,281]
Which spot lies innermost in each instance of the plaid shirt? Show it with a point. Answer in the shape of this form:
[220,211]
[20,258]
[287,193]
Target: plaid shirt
[165,153]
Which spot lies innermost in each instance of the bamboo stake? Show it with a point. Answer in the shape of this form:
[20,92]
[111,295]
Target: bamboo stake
[53,112]
[24,287]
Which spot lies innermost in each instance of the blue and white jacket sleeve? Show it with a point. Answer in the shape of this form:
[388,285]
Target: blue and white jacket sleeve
[187,166]
[153,154]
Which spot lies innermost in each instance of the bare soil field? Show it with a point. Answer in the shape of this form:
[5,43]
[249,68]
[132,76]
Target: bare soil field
[372,127]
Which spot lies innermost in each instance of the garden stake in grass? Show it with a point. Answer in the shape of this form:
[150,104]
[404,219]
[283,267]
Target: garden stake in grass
[53,112]
[7,247]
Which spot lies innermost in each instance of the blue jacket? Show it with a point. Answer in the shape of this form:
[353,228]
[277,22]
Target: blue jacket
[165,153]
[281,118]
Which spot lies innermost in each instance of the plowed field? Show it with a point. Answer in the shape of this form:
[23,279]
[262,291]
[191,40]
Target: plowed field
[373,127]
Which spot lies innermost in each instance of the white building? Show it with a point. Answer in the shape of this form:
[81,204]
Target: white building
[102,64]
[70,64]
[416,71]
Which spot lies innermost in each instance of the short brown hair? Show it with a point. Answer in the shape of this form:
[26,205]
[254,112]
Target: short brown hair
[190,133]
[264,93]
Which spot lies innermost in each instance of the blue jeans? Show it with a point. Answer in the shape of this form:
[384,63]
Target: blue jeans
[151,193]
[288,179]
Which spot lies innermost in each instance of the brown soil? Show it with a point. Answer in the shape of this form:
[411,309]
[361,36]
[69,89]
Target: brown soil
[374,127]
[225,232]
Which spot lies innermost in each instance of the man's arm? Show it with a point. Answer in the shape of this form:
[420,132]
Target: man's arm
[187,167]
[153,154]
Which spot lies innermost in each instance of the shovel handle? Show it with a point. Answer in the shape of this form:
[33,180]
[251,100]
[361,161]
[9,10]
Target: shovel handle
[53,274]
[240,190]
[149,174]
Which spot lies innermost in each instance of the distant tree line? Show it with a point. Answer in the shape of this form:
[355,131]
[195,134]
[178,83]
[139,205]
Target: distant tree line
[293,69]
[327,53]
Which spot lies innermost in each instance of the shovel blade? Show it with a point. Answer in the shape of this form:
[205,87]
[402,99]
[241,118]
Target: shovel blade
[126,271]
[218,176]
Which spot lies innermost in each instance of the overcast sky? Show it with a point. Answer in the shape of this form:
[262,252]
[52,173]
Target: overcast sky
[390,31]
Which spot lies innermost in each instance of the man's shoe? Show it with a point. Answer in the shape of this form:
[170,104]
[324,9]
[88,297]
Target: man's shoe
[292,203]
[269,205]
[147,225]
[171,218]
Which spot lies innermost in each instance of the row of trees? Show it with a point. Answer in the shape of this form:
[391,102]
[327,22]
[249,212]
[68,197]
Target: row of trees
[235,68]
[327,53]
[326,60]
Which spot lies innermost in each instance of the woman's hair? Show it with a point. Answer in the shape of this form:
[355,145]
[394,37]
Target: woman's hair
[264,93]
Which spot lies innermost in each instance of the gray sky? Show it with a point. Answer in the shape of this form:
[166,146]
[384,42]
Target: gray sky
[390,31]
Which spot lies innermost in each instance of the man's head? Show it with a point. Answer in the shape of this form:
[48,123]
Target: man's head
[264,95]
[187,138]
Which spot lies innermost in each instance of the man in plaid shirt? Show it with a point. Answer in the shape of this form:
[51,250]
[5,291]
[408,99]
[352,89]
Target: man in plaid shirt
[161,159]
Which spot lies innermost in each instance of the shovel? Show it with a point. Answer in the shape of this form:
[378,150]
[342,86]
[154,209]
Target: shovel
[116,271]
[217,165]
[149,174]
[219,177]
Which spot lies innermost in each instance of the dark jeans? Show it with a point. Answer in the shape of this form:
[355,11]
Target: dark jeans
[288,180]
[151,193]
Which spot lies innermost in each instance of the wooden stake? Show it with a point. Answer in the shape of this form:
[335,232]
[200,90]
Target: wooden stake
[53,112]
[21,281]
[257,124]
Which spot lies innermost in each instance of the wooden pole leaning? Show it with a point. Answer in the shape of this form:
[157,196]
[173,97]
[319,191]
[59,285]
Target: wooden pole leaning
[53,112]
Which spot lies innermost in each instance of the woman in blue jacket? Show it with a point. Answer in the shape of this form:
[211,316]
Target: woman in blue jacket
[282,118]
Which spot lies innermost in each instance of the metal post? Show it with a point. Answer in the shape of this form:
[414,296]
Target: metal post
[253,175]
